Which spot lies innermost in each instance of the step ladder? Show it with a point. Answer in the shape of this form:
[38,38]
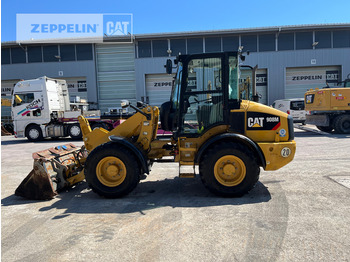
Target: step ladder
[187,171]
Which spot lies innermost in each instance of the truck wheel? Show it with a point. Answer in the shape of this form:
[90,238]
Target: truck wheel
[342,124]
[112,171]
[327,129]
[34,133]
[74,131]
[229,170]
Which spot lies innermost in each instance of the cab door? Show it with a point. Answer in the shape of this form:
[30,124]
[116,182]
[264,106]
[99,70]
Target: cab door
[202,101]
[202,97]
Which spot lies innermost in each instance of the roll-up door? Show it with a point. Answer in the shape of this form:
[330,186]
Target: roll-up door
[299,80]
[158,87]
[115,74]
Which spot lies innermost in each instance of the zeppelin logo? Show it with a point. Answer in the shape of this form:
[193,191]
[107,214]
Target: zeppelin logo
[63,28]
[310,77]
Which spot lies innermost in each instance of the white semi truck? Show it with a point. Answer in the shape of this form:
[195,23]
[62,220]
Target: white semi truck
[41,108]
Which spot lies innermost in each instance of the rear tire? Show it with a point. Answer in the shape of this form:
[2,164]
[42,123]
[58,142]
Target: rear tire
[34,133]
[74,131]
[229,170]
[112,171]
[342,124]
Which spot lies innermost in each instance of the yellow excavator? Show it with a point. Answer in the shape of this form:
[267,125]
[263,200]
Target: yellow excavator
[212,127]
[329,108]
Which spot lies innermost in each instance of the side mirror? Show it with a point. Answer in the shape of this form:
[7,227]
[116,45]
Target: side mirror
[169,66]
[125,103]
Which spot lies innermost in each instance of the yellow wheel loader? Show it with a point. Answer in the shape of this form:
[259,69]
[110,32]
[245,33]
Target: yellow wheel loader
[228,138]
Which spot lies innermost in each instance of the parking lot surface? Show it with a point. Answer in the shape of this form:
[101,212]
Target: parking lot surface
[298,213]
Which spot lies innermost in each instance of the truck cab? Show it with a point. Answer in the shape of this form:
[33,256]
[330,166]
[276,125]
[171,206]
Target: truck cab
[38,108]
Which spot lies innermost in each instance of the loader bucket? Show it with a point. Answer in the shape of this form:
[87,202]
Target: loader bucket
[54,169]
[37,185]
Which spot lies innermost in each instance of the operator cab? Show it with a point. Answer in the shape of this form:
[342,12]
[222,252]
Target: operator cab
[205,89]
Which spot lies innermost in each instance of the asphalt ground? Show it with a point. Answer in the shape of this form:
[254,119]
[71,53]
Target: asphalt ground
[298,213]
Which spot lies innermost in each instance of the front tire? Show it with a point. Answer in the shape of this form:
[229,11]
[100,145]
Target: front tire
[229,170]
[112,171]
[34,133]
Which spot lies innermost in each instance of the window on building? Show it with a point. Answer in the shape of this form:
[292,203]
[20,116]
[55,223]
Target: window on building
[249,43]
[303,40]
[194,45]
[341,38]
[178,46]
[324,39]
[18,55]
[230,43]
[267,42]
[286,41]
[50,53]
[34,54]
[212,44]
[84,52]
[144,48]
[160,48]
[5,56]
[67,52]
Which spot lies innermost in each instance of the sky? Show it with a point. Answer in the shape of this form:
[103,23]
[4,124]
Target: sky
[178,16]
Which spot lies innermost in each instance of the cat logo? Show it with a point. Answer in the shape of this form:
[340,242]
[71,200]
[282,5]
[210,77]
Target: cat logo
[256,122]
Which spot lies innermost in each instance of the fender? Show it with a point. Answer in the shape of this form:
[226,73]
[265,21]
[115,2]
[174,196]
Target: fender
[141,157]
[236,138]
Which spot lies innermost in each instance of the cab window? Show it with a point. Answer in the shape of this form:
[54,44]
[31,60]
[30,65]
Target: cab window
[20,99]
[203,97]
[175,95]
[233,79]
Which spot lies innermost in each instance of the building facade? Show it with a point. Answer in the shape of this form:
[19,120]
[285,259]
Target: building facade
[290,59]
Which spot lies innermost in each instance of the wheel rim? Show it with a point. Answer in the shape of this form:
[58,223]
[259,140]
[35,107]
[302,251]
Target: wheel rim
[33,133]
[111,171]
[229,170]
[75,130]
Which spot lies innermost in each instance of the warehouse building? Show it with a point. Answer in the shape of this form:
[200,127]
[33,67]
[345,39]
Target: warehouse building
[291,59]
